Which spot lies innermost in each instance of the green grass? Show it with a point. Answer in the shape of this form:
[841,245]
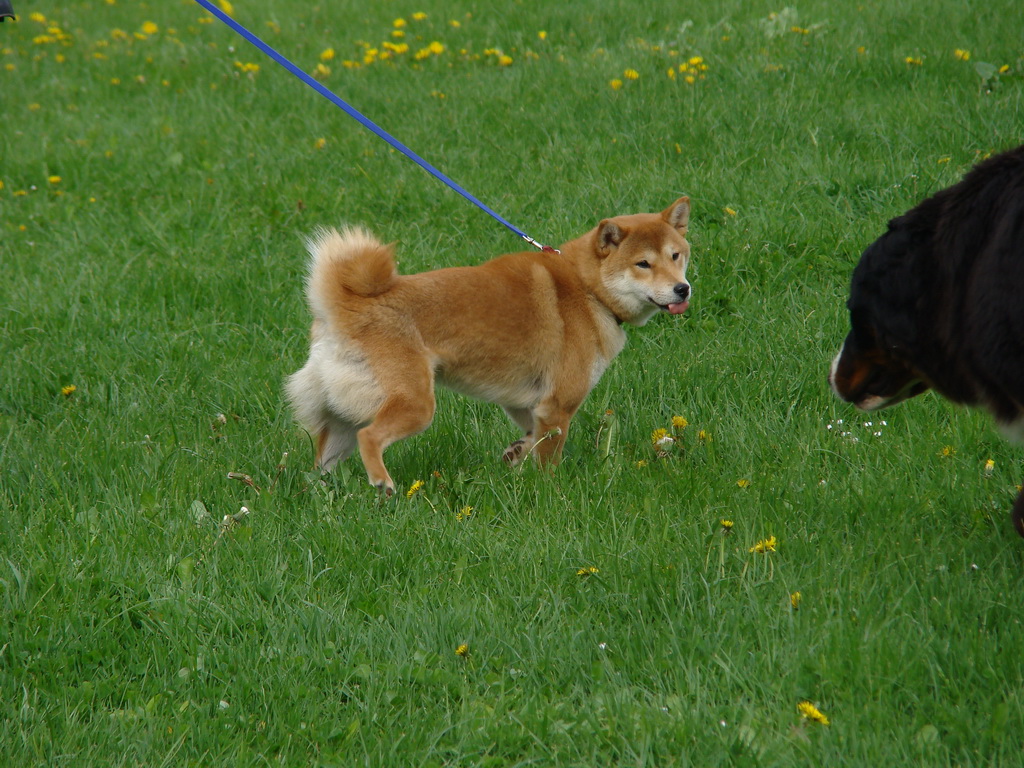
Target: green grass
[162,277]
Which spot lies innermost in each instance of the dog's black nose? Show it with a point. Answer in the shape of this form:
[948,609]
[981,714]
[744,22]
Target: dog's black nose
[682,290]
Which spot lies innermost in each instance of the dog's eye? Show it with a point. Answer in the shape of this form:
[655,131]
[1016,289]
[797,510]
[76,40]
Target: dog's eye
[675,257]
[644,264]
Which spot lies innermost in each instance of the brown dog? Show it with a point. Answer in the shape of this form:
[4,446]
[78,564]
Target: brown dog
[532,332]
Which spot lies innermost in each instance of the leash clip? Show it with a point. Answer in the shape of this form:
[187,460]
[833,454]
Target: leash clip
[540,246]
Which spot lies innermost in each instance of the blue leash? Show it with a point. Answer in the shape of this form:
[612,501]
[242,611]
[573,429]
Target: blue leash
[361,119]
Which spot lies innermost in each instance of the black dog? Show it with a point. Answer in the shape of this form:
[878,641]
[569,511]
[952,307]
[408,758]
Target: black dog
[938,302]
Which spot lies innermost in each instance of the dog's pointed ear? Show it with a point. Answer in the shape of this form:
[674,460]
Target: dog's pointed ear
[609,236]
[678,214]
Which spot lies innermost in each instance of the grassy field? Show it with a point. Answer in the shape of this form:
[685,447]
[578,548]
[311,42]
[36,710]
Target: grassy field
[157,178]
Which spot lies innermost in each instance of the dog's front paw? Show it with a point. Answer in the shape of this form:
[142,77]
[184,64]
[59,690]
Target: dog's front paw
[385,487]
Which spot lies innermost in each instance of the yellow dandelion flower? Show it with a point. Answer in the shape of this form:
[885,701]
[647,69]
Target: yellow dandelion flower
[765,545]
[320,143]
[729,211]
[743,482]
[947,452]
[504,60]
[631,74]
[54,179]
[436,48]
[704,436]
[543,35]
[227,7]
[615,84]
[1,185]
[658,435]
[726,525]
[800,30]
[399,23]
[414,488]
[1004,69]
[679,422]
[462,650]
[990,467]
[962,55]
[37,17]
[914,62]
[671,72]
[455,24]
[690,79]
[69,390]
[150,28]
[321,71]
[419,16]
[588,571]
[641,464]
[464,514]
[811,712]
[794,600]
[695,61]
[327,54]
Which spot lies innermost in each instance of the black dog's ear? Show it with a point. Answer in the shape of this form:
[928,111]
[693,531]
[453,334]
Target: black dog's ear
[886,286]
[609,236]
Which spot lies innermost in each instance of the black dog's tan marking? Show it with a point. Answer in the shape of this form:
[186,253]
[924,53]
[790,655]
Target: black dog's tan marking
[938,302]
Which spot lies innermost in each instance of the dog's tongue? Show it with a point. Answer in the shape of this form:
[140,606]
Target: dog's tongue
[678,309]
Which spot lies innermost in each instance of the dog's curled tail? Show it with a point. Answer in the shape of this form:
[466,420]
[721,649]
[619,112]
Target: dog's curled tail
[344,264]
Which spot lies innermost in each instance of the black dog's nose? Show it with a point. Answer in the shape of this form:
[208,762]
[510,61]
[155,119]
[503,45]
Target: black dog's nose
[682,290]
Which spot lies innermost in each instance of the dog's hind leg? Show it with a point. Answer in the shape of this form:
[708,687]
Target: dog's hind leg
[407,410]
